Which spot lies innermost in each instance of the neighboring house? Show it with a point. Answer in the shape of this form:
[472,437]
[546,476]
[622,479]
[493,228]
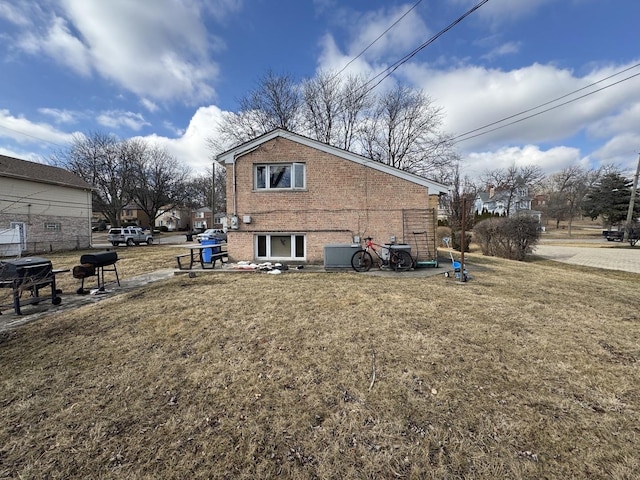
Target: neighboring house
[498,202]
[176,218]
[50,206]
[289,196]
[132,214]
[201,218]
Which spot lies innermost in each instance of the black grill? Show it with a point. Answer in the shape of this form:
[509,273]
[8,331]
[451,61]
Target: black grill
[95,264]
[28,276]
[100,259]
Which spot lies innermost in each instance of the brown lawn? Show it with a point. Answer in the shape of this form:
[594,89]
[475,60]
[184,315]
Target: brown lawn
[529,370]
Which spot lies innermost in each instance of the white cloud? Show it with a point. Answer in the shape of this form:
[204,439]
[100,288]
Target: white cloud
[167,46]
[400,39]
[23,131]
[552,160]
[621,150]
[509,48]
[500,11]
[61,116]
[149,105]
[494,95]
[160,51]
[118,118]
[13,14]
[192,146]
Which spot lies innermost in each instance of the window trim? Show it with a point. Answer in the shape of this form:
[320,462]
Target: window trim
[293,238]
[293,166]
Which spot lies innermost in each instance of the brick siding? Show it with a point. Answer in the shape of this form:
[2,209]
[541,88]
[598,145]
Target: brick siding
[342,199]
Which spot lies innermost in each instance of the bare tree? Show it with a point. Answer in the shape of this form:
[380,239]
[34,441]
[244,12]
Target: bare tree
[102,161]
[274,103]
[513,180]
[332,107]
[401,128]
[404,133]
[201,187]
[160,181]
[459,203]
[566,190]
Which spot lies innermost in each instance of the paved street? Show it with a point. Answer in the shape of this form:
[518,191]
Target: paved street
[612,258]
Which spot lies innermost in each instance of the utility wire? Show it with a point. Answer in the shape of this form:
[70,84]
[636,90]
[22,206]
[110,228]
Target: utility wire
[541,112]
[378,38]
[29,135]
[544,105]
[393,67]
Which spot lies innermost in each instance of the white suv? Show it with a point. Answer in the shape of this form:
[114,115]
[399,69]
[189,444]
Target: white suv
[129,235]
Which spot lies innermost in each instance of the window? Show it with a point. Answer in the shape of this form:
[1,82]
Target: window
[280,247]
[52,227]
[280,176]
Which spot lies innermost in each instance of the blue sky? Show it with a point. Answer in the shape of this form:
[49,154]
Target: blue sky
[165,70]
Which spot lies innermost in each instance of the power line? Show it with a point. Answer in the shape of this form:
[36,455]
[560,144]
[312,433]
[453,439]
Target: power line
[542,111]
[544,104]
[31,136]
[393,67]
[378,38]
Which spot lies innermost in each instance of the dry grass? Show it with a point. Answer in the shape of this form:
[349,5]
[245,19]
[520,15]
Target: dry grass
[527,371]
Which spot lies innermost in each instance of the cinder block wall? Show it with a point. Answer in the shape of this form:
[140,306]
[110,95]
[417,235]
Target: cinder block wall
[342,199]
[72,235]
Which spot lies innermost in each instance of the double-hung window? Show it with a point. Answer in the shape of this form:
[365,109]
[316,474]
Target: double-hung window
[280,176]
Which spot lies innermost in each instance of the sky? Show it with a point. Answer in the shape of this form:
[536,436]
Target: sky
[166,70]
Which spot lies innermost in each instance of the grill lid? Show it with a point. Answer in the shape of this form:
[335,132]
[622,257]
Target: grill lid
[28,266]
[100,259]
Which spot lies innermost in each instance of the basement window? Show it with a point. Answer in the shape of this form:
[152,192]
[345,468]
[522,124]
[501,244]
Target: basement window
[280,247]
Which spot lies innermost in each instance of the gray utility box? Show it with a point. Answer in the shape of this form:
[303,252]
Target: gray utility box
[395,246]
[338,255]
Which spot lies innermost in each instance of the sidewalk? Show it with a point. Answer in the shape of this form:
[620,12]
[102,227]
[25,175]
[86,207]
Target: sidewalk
[611,258]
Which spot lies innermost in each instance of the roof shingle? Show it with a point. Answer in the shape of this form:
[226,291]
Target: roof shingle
[39,172]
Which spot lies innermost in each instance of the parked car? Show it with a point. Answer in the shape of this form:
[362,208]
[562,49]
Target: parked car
[212,234]
[129,235]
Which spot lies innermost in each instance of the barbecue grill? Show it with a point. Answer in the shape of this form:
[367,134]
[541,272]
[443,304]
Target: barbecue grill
[29,275]
[94,264]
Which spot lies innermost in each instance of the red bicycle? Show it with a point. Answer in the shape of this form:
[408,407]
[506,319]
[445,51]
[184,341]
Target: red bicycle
[399,260]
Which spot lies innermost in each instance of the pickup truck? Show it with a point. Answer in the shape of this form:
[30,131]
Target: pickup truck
[618,235]
[129,236]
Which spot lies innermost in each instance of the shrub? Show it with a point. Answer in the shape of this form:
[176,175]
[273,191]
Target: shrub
[455,241]
[442,233]
[510,237]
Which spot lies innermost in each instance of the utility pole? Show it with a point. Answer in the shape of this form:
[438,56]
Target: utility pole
[463,234]
[213,193]
[625,237]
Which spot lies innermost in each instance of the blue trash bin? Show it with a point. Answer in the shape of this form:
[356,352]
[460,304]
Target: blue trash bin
[208,252]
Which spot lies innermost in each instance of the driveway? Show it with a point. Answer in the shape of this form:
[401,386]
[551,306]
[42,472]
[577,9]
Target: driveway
[612,258]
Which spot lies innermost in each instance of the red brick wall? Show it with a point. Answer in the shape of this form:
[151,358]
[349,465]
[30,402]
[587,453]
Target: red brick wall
[342,199]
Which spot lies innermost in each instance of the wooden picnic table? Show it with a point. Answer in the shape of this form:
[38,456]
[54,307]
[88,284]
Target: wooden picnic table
[196,255]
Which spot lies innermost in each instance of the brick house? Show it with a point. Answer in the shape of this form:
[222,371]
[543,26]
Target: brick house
[288,196]
[49,206]
[132,214]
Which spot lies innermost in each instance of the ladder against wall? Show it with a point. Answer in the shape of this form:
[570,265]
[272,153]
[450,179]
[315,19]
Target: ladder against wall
[419,227]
